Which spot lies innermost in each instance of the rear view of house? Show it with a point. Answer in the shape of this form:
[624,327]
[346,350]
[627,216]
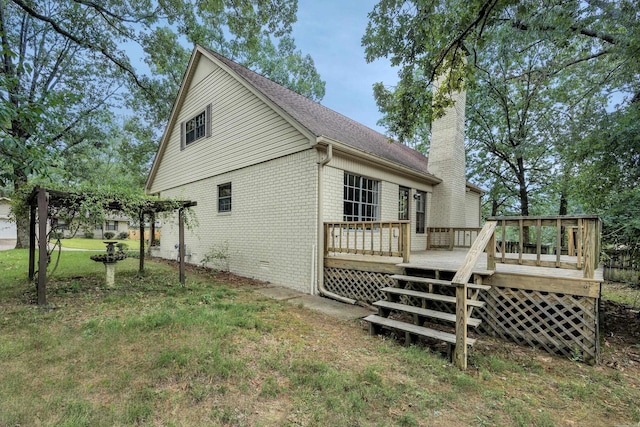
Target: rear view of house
[269,167]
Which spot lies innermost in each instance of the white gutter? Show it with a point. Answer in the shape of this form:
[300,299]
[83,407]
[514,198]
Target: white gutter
[320,250]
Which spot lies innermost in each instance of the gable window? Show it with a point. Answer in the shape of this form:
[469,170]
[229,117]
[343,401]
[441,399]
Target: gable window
[224,197]
[360,199]
[403,203]
[195,128]
[421,205]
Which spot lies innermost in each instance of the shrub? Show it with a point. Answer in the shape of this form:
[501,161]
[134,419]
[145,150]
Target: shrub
[109,235]
[122,247]
[88,235]
[123,236]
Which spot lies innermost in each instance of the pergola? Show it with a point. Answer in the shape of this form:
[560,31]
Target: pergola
[41,199]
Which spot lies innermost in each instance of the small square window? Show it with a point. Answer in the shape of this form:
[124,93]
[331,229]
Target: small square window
[224,197]
[195,128]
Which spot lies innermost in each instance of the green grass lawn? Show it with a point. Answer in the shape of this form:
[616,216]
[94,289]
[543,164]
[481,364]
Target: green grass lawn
[215,352]
[96,244]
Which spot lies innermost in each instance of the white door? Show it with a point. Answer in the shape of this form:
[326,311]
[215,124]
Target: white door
[7,229]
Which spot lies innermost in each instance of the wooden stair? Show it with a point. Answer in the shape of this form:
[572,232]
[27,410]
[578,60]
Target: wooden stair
[397,302]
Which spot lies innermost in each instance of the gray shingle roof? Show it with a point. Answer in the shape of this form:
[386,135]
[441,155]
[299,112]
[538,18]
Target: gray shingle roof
[322,121]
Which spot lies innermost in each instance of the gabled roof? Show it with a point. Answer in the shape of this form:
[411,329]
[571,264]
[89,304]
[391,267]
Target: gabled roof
[324,122]
[309,116]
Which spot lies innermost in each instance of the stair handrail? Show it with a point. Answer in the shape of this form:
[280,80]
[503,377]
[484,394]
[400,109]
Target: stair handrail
[460,280]
[466,270]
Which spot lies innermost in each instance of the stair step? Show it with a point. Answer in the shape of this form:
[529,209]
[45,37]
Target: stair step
[426,280]
[415,329]
[429,296]
[410,266]
[434,314]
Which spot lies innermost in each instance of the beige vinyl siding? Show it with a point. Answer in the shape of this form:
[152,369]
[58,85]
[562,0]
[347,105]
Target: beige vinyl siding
[245,131]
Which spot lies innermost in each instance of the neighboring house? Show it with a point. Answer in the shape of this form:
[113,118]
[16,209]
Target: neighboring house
[114,223]
[7,225]
[268,166]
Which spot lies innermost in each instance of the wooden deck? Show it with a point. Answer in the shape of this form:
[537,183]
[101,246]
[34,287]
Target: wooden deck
[453,259]
[536,299]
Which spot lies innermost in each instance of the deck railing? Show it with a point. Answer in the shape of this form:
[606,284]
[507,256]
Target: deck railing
[381,238]
[543,240]
[451,237]
[485,241]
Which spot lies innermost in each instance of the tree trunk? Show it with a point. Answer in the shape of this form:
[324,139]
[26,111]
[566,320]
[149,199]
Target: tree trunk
[562,211]
[494,207]
[524,197]
[22,220]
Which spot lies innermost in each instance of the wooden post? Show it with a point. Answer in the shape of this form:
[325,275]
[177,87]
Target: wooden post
[589,248]
[538,240]
[32,241]
[460,353]
[503,228]
[181,243]
[452,236]
[406,249]
[326,239]
[559,235]
[43,205]
[491,252]
[152,230]
[521,238]
[141,230]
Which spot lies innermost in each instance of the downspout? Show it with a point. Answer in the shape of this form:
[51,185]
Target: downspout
[320,250]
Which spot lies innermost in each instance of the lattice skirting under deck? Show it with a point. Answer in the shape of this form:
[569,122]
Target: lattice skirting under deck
[355,284]
[557,323]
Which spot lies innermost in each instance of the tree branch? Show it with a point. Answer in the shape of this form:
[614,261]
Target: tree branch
[583,31]
[84,43]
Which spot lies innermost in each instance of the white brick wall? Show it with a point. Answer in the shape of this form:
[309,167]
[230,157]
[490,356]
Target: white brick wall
[271,229]
[473,209]
[447,162]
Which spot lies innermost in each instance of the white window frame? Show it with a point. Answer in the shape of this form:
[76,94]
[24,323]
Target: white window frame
[361,198]
[404,195]
[200,130]
[421,212]
[224,202]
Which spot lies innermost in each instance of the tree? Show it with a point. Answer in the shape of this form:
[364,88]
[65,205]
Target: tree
[606,179]
[65,63]
[537,76]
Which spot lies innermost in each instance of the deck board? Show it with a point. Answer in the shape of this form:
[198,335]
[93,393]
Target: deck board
[453,259]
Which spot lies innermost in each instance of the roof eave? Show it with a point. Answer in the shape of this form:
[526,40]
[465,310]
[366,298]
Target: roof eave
[378,160]
[188,75]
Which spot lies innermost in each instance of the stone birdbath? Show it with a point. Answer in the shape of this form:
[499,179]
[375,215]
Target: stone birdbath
[109,260]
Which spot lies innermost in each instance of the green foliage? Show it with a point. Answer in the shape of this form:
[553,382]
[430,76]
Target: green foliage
[218,257]
[109,235]
[538,79]
[87,205]
[607,174]
[66,67]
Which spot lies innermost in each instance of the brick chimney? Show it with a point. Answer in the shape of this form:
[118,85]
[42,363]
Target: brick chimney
[447,162]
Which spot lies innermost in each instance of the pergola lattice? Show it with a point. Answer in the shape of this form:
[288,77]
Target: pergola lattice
[41,199]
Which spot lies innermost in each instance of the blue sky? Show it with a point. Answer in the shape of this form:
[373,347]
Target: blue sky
[330,31]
